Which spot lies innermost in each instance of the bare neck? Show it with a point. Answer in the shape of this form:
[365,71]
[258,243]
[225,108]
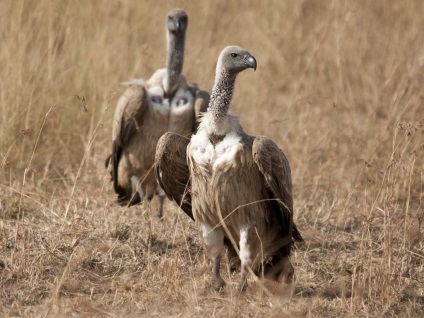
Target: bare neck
[222,94]
[174,61]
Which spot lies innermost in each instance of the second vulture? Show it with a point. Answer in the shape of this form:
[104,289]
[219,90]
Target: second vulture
[146,110]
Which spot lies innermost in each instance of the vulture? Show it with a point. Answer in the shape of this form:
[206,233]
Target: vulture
[146,110]
[237,187]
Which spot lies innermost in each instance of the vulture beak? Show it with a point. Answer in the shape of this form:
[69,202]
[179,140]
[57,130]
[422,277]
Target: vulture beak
[178,25]
[251,61]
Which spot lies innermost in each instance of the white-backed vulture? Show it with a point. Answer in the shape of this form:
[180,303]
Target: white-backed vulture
[235,185]
[146,110]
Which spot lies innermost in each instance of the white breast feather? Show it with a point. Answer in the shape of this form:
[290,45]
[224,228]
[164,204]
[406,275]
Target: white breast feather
[159,104]
[182,100]
[203,152]
[227,149]
[202,149]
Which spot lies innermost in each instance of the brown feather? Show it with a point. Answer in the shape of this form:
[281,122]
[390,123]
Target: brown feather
[171,170]
[137,127]
[275,169]
[200,107]
[241,185]
[146,110]
[185,123]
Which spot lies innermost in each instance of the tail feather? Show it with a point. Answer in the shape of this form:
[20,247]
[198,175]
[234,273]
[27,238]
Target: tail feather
[297,237]
[108,162]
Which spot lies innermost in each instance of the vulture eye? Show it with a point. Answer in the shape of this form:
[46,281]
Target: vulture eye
[182,101]
[157,99]
[234,55]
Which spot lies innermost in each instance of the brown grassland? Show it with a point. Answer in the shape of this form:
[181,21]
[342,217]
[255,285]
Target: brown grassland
[339,87]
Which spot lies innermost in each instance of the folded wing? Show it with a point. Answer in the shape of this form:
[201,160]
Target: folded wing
[171,169]
[274,166]
[129,114]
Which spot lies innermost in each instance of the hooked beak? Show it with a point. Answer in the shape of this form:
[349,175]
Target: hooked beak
[251,61]
[178,25]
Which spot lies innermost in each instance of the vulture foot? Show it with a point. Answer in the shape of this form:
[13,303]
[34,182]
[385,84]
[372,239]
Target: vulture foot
[233,258]
[241,287]
[218,284]
[157,207]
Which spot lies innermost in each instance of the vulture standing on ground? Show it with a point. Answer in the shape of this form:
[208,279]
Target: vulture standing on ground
[146,110]
[234,185]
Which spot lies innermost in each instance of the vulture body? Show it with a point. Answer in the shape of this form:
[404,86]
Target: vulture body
[234,185]
[146,110]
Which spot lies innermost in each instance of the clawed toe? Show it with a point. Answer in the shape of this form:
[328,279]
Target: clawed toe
[241,287]
[157,217]
[235,265]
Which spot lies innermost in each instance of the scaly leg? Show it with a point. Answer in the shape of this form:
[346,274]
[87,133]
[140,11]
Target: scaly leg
[233,258]
[158,205]
[214,241]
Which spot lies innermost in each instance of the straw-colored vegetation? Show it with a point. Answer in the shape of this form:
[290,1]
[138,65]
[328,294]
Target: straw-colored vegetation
[339,86]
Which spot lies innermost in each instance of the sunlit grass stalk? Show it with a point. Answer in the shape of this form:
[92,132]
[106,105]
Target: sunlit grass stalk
[26,170]
[84,158]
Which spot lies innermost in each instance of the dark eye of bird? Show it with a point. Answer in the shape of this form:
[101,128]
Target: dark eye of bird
[157,99]
[182,101]
[233,54]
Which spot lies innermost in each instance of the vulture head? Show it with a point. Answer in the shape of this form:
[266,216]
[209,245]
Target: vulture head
[234,59]
[176,21]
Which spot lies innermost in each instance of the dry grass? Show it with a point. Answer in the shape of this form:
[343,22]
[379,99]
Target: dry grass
[339,87]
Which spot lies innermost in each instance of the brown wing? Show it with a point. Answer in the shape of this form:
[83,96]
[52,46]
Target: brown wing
[171,169]
[274,166]
[131,107]
[201,103]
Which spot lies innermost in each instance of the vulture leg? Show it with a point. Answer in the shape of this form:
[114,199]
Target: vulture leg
[214,241]
[218,282]
[157,203]
[136,187]
[157,206]
[245,259]
[233,258]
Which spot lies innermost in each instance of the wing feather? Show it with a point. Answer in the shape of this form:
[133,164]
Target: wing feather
[172,171]
[131,107]
[201,103]
[274,166]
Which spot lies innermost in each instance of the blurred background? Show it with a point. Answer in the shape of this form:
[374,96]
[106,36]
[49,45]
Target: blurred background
[339,87]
